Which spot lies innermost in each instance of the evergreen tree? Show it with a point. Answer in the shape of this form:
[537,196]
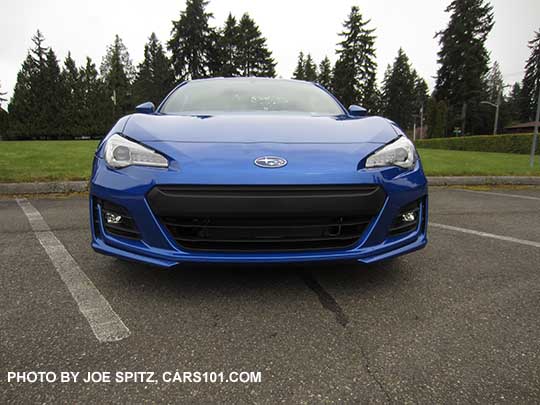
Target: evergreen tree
[38,94]
[495,83]
[228,48]
[72,108]
[399,92]
[436,118]
[155,77]
[463,60]
[191,42]
[54,93]
[118,73]
[299,73]
[514,103]
[96,105]
[310,69]
[253,56]
[355,70]
[421,92]
[325,74]
[531,80]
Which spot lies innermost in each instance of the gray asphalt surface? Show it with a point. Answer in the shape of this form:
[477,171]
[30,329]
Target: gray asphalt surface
[457,322]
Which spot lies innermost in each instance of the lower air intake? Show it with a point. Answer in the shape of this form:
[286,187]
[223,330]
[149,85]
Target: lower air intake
[266,218]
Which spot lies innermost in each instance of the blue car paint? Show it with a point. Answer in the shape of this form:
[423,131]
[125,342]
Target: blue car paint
[219,150]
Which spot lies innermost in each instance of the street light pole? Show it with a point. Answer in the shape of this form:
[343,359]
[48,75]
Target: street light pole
[496,124]
[422,121]
[535,136]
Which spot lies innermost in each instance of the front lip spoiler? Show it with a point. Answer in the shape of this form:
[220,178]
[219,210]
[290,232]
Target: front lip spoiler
[101,247]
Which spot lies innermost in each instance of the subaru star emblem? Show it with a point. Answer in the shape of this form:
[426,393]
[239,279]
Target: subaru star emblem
[270,162]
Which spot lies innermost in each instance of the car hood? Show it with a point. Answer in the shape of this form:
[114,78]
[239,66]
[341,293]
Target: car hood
[222,149]
[258,128]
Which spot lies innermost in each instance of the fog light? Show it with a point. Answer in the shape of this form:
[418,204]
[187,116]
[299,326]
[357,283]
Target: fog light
[408,216]
[112,218]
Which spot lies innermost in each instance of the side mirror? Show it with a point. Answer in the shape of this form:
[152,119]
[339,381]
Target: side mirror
[146,108]
[357,111]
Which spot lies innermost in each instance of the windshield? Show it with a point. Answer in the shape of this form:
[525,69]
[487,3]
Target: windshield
[250,95]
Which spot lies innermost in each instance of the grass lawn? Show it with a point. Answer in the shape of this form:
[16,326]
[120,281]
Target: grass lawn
[438,162]
[24,161]
[71,160]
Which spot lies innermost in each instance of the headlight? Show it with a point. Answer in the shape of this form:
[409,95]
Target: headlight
[399,153]
[120,152]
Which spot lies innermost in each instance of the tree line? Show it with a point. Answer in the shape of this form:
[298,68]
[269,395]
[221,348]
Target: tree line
[55,101]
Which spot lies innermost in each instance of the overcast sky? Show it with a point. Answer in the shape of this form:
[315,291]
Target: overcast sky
[87,27]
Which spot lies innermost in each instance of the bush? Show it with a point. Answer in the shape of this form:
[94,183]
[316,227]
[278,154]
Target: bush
[515,143]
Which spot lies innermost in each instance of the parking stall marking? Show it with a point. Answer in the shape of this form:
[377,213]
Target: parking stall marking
[486,235]
[525,197]
[105,323]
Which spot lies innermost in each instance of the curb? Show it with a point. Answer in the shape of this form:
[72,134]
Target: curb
[43,188]
[484,180]
[81,186]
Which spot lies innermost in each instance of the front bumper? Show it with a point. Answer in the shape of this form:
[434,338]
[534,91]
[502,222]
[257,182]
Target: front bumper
[130,188]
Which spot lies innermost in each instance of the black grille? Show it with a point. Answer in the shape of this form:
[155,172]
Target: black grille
[263,234]
[266,218]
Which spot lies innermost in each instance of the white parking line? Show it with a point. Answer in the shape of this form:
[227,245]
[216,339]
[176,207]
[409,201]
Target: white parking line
[525,197]
[105,323]
[486,235]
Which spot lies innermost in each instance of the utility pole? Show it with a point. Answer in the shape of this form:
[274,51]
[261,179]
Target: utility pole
[535,136]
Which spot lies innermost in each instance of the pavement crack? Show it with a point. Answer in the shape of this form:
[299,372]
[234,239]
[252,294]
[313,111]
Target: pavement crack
[373,375]
[325,298]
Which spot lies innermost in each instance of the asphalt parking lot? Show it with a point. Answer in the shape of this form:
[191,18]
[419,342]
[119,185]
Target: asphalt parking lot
[456,322]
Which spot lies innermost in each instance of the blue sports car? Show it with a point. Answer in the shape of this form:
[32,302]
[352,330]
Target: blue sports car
[256,170]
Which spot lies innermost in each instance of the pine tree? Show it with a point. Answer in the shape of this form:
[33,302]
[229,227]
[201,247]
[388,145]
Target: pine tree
[421,96]
[436,118]
[515,103]
[310,69]
[155,77]
[72,108]
[53,92]
[253,57]
[463,60]
[228,48]
[118,73]
[96,105]
[355,70]
[495,83]
[38,94]
[531,80]
[191,42]
[299,73]
[325,74]
[399,92]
